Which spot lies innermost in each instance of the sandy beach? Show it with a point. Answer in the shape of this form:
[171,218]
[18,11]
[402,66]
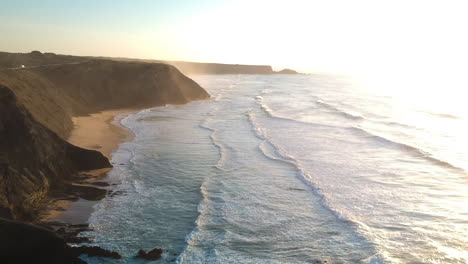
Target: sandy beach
[99,132]
[102,132]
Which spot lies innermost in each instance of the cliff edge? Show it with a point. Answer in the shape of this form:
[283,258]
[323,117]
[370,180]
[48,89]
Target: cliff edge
[33,159]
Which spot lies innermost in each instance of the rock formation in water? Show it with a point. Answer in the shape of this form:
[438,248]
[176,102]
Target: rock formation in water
[153,254]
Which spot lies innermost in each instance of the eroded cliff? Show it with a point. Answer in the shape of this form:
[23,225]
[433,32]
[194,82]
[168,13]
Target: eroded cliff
[33,159]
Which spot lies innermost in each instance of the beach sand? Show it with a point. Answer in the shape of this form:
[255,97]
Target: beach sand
[99,132]
[102,132]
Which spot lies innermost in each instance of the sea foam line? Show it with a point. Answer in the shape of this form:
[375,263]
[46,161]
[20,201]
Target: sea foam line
[307,179]
[270,113]
[304,176]
[190,238]
[339,111]
[419,153]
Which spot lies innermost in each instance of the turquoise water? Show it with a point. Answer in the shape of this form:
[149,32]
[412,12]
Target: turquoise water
[289,169]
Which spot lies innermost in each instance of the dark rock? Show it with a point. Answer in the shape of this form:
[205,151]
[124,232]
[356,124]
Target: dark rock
[94,252]
[296,189]
[87,192]
[23,243]
[5,213]
[114,193]
[61,231]
[79,261]
[77,240]
[101,184]
[68,232]
[85,159]
[80,226]
[151,255]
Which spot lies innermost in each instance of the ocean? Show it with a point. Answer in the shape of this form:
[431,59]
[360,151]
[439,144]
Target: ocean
[290,169]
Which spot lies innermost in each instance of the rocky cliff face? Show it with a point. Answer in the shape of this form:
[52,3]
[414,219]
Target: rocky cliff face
[48,104]
[33,159]
[101,84]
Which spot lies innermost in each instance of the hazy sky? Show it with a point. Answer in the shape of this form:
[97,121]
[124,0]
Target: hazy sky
[329,35]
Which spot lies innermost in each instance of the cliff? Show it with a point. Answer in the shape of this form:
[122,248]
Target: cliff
[215,68]
[102,84]
[36,109]
[34,159]
[218,68]
[35,58]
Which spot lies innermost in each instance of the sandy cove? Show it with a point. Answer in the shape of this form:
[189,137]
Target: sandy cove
[99,132]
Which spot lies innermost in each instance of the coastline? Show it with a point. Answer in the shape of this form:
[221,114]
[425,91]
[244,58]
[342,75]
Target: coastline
[102,132]
[46,181]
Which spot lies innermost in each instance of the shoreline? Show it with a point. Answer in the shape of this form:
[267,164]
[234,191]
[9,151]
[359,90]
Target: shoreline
[102,132]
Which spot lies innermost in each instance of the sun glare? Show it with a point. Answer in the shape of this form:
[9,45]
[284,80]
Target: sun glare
[366,38]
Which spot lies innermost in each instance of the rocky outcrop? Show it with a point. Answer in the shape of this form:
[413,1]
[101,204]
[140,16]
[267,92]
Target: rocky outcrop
[94,252]
[154,254]
[22,243]
[33,159]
